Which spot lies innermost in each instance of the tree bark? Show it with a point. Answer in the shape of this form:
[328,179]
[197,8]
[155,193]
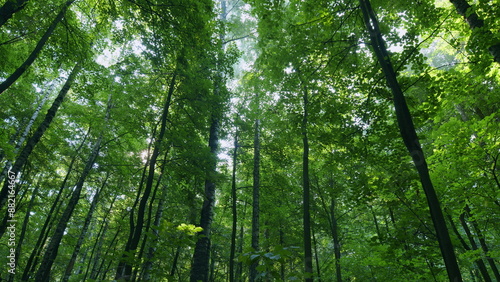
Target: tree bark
[483,244]
[25,227]
[43,273]
[479,262]
[124,270]
[201,256]
[10,8]
[24,134]
[37,135]
[34,54]
[234,209]
[410,138]
[308,259]
[474,21]
[336,241]
[83,234]
[31,263]
[255,199]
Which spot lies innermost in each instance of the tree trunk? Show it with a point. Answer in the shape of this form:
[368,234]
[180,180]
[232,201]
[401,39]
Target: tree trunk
[412,143]
[33,141]
[124,270]
[470,16]
[83,233]
[54,209]
[97,247]
[483,244]
[43,273]
[234,210]
[25,227]
[479,262]
[308,259]
[336,244]
[201,256]
[23,136]
[148,264]
[255,199]
[10,8]
[34,54]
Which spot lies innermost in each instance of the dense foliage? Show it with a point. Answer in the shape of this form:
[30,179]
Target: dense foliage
[248,140]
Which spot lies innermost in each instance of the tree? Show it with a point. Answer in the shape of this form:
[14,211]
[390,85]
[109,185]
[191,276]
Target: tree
[411,141]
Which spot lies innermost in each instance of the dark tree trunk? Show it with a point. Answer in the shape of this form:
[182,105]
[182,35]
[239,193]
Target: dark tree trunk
[255,199]
[411,141]
[33,140]
[336,243]
[308,259]
[201,256]
[97,247]
[83,234]
[43,273]
[483,244]
[54,209]
[234,209]
[148,264]
[479,262]
[10,8]
[24,227]
[124,270]
[470,16]
[23,136]
[34,54]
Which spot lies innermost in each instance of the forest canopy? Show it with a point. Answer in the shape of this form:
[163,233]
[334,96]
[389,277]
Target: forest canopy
[249,140]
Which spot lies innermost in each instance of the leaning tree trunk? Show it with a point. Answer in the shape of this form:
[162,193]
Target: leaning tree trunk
[10,8]
[34,54]
[31,263]
[43,273]
[410,138]
[33,141]
[23,136]
[483,244]
[83,234]
[255,199]
[470,16]
[124,270]
[479,262]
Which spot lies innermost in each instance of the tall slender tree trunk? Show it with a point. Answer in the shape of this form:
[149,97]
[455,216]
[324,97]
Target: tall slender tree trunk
[308,259]
[124,270]
[31,263]
[24,134]
[37,135]
[336,241]
[43,273]
[483,244]
[148,263]
[479,262]
[96,252]
[474,21]
[255,199]
[25,227]
[411,141]
[201,256]
[10,8]
[83,233]
[34,54]
[234,209]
